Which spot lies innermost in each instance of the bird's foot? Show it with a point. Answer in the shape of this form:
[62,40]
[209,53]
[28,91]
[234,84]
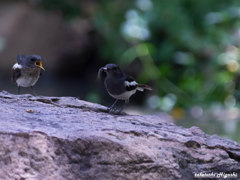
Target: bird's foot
[116,111]
[112,110]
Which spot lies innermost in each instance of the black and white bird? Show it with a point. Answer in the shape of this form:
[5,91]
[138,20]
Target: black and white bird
[27,70]
[119,85]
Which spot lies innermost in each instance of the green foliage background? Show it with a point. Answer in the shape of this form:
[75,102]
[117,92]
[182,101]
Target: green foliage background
[188,50]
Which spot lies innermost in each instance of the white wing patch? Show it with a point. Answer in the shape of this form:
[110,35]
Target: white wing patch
[140,89]
[17,66]
[133,83]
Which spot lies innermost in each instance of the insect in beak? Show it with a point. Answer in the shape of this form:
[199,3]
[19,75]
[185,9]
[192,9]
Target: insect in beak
[39,64]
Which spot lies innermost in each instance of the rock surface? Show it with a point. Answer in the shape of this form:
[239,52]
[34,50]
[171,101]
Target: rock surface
[65,138]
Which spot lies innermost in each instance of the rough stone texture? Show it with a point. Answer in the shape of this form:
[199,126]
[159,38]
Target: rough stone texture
[65,138]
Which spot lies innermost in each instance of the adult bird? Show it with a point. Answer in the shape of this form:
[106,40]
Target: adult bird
[119,85]
[27,70]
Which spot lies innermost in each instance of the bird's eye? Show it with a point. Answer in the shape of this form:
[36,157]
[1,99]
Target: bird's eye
[32,59]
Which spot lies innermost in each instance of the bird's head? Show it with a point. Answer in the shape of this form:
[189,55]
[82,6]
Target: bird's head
[110,70]
[31,61]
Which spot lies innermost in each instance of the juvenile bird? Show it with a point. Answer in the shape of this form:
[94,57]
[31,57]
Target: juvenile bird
[27,70]
[119,85]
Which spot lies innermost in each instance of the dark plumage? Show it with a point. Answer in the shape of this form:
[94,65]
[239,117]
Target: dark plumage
[118,84]
[27,70]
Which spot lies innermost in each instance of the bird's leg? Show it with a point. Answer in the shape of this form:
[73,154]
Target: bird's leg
[112,107]
[34,93]
[18,91]
[122,107]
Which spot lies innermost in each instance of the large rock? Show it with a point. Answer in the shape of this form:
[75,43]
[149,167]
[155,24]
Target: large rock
[54,138]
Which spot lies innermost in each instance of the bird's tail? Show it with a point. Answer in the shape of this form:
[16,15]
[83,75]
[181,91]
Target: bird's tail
[142,87]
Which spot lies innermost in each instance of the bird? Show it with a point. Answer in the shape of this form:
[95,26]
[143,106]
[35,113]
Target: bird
[27,70]
[119,85]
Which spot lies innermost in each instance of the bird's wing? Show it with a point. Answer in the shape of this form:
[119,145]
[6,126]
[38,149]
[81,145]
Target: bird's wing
[130,83]
[16,73]
[20,58]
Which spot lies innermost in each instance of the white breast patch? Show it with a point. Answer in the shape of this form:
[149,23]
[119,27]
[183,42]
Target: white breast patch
[29,77]
[124,96]
[25,81]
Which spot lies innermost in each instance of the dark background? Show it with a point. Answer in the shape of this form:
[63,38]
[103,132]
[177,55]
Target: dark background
[187,50]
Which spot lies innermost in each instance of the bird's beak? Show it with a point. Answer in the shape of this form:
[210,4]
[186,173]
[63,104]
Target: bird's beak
[101,72]
[39,64]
